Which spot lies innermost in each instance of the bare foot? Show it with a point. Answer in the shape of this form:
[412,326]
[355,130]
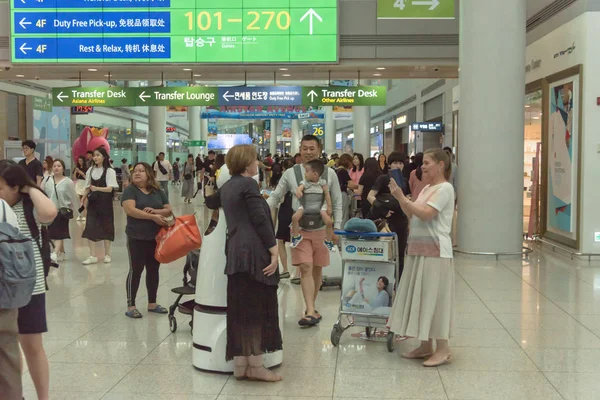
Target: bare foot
[263,374]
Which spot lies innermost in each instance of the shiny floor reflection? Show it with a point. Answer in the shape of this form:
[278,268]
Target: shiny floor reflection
[525,330]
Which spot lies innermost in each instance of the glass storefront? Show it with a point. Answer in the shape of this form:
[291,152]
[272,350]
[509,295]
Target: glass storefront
[532,158]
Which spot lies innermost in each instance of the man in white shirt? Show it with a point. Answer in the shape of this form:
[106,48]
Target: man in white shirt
[310,255]
[163,170]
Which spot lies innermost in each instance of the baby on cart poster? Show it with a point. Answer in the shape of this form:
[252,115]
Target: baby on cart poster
[367,287]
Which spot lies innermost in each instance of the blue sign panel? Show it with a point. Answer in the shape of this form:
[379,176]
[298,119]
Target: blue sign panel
[427,127]
[91,4]
[261,96]
[96,22]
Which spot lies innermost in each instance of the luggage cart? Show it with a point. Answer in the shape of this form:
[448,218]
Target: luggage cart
[369,265]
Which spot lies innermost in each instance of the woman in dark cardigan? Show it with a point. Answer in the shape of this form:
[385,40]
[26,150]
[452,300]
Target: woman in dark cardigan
[251,268]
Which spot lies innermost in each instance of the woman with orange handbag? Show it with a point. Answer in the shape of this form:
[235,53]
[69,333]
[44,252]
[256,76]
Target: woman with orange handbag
[147,209]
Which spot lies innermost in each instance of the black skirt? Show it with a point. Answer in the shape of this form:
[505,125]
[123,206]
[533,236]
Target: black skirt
[284,219]
[59,229]
[100,223]
[252,318]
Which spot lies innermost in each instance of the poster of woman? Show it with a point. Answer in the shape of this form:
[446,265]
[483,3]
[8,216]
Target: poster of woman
[563,136]
[367,287]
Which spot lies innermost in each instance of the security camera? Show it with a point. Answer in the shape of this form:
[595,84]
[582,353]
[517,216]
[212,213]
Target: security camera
[7,68]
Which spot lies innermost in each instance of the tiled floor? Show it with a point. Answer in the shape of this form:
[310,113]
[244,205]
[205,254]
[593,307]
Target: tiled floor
[526,330]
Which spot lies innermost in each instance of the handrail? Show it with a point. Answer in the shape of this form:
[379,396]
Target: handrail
[524,251]
[570,252]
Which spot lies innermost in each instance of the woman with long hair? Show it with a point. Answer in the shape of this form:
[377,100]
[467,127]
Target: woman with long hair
[47,166]
[101,182]
[284,220]
[367,180]
[358,167]
[61,191]
[79,176]
[33,210]
[424,307]
[187,189]
[148,209]
[383,165]
[416,182]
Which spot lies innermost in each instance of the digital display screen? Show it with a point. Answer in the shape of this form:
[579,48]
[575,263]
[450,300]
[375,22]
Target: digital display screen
[174,31]
[78,110]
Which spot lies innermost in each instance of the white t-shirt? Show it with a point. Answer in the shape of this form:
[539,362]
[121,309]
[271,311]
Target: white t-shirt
[96,173]
[11,217]
[432,239]
[159,175]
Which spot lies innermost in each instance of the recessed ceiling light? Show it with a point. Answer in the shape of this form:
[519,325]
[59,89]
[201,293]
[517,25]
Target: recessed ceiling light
[283,69]
[376,74]
[286,75]
[527,106]
[187,69]
[92,70]
[20,76]
[197,75]
[381,68]
[108,76]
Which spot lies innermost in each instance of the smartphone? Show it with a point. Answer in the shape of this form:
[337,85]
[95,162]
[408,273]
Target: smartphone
[396,174]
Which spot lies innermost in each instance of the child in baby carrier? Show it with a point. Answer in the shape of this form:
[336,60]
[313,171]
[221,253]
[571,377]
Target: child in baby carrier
[313,193]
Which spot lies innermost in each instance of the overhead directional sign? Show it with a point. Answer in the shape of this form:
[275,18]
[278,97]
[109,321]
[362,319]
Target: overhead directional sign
[345,95]
[195,143]
[180,31]
[415,9]
[221,96]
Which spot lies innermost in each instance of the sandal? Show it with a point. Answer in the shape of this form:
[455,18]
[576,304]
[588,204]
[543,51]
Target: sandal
[285,275]
[135,314]
[318,315]
[309,320]
[295,281]
[159,310]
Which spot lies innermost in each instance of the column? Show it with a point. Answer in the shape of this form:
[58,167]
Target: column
[362,130]
[492,82]
[157,127]
[273,141]
[330,132]
[296,137]
[204,135]
[194,122]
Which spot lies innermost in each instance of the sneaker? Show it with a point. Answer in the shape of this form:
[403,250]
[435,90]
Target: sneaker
[90,260]
[54,257]
[83,219]
[107,259]
[79,218]
[61,256]
[330,245]
[296,240]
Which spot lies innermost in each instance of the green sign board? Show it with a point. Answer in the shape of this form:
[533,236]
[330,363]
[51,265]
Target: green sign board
[344,96]
[174,31]
[195,143]
[415,9]
[221,96]
[42,103]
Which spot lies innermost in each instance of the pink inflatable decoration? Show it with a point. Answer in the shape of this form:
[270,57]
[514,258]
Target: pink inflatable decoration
[89,140]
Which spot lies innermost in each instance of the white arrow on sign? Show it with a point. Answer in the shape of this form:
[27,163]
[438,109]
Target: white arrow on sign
[227,96]
[432,3]
[143,96]
[310,14]
[60,97]
[312,95]
[23,23]
[23,48]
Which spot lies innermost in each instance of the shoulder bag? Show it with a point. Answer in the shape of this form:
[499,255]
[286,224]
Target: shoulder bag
[63,212]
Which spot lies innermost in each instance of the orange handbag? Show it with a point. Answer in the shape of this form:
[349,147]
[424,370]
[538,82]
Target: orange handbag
[174,242]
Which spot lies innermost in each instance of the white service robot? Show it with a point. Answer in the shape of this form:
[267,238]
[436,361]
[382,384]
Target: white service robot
[210,312]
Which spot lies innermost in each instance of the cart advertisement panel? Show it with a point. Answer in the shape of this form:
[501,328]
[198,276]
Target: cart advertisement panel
[367,287]
[366,250]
